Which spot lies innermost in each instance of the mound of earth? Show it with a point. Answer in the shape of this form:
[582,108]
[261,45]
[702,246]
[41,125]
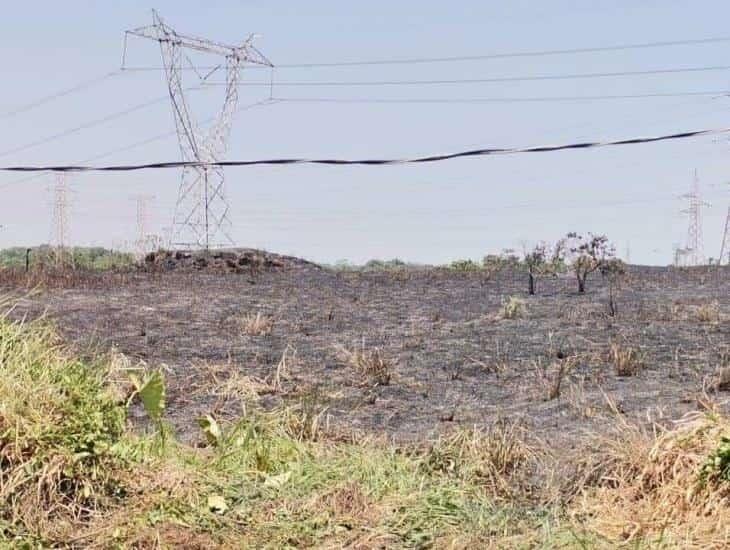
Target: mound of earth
[229,260]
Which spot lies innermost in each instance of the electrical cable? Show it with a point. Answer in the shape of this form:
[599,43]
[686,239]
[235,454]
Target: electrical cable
[367,162]
[533,78]
[500,55]
[57,95]
[535,99]
[87,125]
[137,143]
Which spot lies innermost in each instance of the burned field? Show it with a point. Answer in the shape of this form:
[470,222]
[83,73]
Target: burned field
[409,352]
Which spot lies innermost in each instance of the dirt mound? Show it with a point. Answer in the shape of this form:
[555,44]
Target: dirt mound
[230,261]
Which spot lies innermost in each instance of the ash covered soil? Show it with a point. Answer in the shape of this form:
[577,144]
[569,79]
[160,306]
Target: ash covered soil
[452,359]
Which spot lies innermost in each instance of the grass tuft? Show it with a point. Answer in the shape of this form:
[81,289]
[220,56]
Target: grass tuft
[371,364]
[512,308]
[257,324]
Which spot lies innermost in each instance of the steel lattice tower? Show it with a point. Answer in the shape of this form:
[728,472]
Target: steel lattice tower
[725,250]
[145,240]
[59,218]
[201,214]
[694,249]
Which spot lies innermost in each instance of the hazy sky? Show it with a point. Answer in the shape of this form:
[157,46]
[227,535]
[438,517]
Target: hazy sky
[431,213]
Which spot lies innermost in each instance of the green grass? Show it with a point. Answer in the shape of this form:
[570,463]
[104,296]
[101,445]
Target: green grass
[74,472]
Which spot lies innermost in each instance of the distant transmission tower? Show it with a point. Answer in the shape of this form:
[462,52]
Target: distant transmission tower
[59,219]
[725,250]
[201,213]
[694,250]
[144,241]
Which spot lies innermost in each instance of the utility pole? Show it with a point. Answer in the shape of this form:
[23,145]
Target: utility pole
[201,217]
[59,219]
[694,249]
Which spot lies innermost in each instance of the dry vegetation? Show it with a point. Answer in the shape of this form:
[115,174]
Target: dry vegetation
[257,324]
[458,421]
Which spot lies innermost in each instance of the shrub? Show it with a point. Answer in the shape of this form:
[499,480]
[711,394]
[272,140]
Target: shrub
[512,308]
[464,265]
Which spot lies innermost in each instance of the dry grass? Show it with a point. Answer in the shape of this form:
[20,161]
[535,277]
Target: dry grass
[257,324]
[708,313]
[549,378]
[498,458]
[720,381]
[372,364]
[512,308]
[646,488]
[227,383]
[626,360]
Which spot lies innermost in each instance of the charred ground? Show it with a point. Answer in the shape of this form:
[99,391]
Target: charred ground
[447,352]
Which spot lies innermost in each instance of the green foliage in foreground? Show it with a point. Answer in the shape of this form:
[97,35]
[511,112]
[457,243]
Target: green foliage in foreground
[93,258]
[73,472]
[718,464]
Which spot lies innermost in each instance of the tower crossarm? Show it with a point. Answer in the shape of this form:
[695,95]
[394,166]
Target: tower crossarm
[161,32]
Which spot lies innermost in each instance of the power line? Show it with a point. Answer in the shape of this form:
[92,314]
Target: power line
[84,126]
[90,124]
[481,57]
[367,162]
[534,99]
[532,78]
[137,144]
[62,93]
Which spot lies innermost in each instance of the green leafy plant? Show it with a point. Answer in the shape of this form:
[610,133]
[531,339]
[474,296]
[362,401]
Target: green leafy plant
[211,430]
[717,465]
[151,392]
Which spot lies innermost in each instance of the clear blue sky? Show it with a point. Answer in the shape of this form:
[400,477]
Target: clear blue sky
[431,213]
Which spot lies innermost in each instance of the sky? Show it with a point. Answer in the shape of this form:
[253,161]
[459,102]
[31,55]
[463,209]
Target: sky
[421,213]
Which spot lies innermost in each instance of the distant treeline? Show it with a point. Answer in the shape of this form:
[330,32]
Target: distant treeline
[94,258]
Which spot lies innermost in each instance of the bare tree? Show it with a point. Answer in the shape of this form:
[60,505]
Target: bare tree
[587,254]
[534,260]
[613,270]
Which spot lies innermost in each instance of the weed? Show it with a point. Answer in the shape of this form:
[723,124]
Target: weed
[663,488]
[257,324]
[499,458]
[627,361]
[512,308]
[708,313]
[550,378]
[371,364]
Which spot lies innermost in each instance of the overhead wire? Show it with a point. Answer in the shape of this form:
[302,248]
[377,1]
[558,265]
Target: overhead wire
[528,78]
[84,126]
[481,57]
[57,95]
[137,144]
[477,100]
[367,162]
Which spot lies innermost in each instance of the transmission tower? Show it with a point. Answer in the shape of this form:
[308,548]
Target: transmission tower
[59,219]
[694,251]
[145,240]
[725,250]
[201,214]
